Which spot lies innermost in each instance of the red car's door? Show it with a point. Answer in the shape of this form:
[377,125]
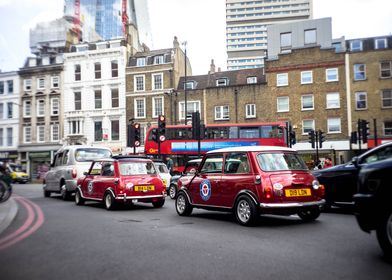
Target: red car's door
[205,186]
[106,180]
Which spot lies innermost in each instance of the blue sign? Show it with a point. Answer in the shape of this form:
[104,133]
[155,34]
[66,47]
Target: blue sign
[208,145]
[205,190]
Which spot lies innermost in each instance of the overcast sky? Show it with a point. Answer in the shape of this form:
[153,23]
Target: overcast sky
[199,22]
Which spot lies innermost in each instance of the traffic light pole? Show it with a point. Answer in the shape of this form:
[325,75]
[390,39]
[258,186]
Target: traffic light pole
[359,135]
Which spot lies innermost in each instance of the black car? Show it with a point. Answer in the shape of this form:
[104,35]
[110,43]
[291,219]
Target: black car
[373,202]
[340,181]
[190,167]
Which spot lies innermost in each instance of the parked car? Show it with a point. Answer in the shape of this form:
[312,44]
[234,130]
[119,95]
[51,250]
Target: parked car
[189,168]
[69,164]
[373,202]
[249,181]
[17,174]
[163,173]
[121,180]
[340,181]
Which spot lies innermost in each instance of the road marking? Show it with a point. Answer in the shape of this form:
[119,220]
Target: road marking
[35,219]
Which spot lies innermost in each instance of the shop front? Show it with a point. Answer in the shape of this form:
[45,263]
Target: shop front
[39,165]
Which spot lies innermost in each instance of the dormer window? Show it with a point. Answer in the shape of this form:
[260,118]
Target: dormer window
[81,48]
[380,43]
[222,82]
[189,85]
[158,59]
[356,46]
[115,44]
[141,61]
[251,80]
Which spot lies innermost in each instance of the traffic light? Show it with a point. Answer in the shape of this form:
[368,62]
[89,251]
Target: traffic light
[365,130]
[161,128]
[321,138]
[154,135]
[312,138]
[354,137]
[131,135]
[293,139]
[136,127]
[196,133]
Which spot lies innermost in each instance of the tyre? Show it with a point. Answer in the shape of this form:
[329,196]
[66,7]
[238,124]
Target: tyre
[65,194]
[159,203]
[5,191]
[183,207]
[46,193]
[384,233]
[110,201]
[79,200]
[246,211]
[309,214]
[172,191]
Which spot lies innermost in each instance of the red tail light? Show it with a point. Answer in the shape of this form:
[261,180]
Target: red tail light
[322,190]
[268,192]
[74,173]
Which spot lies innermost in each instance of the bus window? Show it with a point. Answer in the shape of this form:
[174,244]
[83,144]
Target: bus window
[271,131]
[233,132]
[249,132]
[217,132]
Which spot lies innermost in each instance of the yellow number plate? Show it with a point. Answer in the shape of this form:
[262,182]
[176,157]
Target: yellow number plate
[297,192]
[144,188]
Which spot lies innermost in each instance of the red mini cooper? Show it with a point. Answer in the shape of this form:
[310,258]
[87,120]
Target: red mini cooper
[121,180]
[250,181]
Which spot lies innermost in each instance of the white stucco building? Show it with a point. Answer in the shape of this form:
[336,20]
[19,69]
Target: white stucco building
[94,94]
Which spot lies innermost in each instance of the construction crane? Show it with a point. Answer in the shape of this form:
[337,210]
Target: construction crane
[77,20]
[124,17]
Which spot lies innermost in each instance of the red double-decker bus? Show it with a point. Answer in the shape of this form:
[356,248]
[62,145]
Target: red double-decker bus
[180,146]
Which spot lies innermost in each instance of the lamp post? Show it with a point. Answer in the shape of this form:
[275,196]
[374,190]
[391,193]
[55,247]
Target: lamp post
[185,85]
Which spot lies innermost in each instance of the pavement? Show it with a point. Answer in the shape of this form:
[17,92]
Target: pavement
[8,211]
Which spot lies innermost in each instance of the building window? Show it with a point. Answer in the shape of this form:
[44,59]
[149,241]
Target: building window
[158,59]
[360,101]
[283,104]
[139,83]
[333,100]
[192,106]
[1,87]
[9,136]
[331,75]
[189,85]
[140,108]
[78,100]
[10,110]
[55,82]
[251,80]
[41,83]
[157,106]
[27,84]
[115,98]
[27,134]
[222,112]
[115,127]
[282,79]
[359,72]
[221,82]
[98,99]
[285,41]
[55,106]
[356,46]
[250,111]
[307,102]
[307,126]
[54,132]
[98,131]
[386,98]
[97,70]
[10,85]
[310,36]
[78,72]
[385,69]
[334,125]
[1,111]
[75,127]
[1,136]
[114,68]
[27,108]
[41,133]
[157,81]
[40,108]
[141,61]
[337,46]
[388,128]
[380,43]
[306,77]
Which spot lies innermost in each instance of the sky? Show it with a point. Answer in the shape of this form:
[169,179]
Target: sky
[201,23]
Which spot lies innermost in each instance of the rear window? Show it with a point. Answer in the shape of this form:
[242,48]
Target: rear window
[90,154]
[280,161]
[162,168]
[137,168]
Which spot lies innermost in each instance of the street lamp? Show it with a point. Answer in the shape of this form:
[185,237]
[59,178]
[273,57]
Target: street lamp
[185,84]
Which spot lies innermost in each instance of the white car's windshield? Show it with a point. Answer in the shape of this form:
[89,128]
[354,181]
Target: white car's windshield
[90,154]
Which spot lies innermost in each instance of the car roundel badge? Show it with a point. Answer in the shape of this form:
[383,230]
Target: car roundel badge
[205,190]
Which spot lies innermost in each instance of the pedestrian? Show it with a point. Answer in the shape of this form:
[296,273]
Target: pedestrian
[328,162]
[169,164]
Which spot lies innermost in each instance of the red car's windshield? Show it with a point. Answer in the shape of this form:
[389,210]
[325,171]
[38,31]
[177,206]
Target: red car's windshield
[137,168]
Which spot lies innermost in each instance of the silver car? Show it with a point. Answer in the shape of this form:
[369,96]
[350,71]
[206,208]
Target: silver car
[69,164]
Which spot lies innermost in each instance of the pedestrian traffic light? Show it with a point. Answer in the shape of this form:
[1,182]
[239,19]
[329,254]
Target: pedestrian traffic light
[312,138]
[321,138]
[365,130]
[161,128]
[136,127]
[354,137]
[196,133]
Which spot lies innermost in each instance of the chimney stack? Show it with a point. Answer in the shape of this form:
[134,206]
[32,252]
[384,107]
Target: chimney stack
[212,67]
